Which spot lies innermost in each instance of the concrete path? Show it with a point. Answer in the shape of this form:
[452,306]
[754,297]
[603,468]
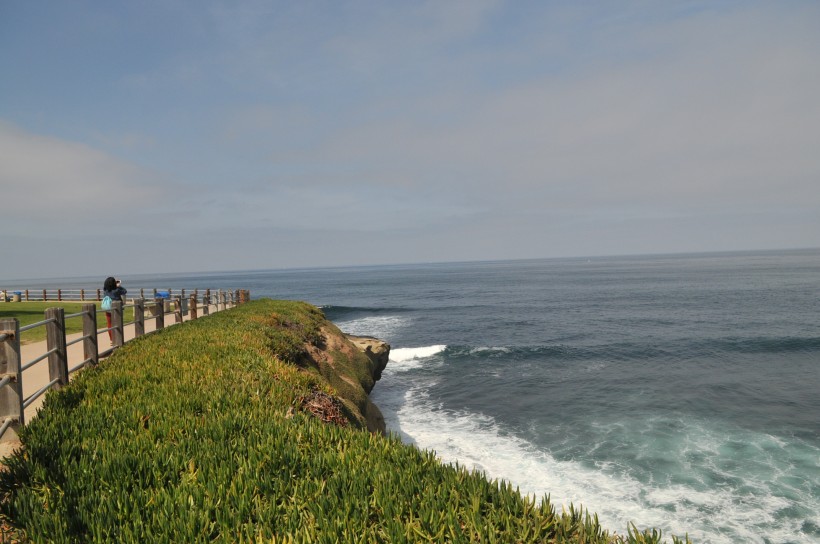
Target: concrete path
[36,377]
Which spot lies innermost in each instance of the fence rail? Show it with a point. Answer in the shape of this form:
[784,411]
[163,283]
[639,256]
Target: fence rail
[13,403]
[81,295]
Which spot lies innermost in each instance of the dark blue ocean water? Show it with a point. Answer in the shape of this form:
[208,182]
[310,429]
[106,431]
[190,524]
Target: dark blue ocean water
[680,392]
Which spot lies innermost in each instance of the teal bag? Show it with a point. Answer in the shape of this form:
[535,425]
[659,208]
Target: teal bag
[106,303]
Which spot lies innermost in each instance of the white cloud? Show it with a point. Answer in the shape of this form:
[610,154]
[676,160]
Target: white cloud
[718,115]
[47,182]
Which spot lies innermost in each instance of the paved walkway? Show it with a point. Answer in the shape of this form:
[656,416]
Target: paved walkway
[36,377]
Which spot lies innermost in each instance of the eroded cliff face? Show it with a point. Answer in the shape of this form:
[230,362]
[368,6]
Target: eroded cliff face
[352,365]
[378,352]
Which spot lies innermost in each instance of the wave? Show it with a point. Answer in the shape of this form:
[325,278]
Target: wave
[673,349]
[402,359]
[555,352]
[720,483]
[782,344]
[332,311]
[383,327]
[401,355]
[744,508]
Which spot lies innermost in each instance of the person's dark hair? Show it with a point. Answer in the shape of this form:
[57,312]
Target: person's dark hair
[110,283]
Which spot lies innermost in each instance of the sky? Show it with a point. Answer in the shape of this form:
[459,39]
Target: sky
[192,136]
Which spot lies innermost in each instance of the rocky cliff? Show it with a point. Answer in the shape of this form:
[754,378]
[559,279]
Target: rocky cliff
[351,365]
[378,352]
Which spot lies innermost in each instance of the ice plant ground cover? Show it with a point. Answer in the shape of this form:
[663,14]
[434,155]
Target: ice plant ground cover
[199,433]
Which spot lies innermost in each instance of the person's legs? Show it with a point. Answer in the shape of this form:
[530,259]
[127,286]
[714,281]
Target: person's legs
[108,320]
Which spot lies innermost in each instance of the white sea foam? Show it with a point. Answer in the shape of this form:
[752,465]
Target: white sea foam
[716,515]
[401,355]
[485,350]
[381,326]
[407,358]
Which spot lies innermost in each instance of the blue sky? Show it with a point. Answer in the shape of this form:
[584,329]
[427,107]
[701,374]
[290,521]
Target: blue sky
[173,136]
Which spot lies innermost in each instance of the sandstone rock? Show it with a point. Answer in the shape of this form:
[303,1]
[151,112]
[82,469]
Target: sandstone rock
[377,350]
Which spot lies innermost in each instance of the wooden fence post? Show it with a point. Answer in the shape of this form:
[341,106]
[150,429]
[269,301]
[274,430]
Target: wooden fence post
[159,312]
[82,294]
[90,347]
[192,304]
[178,309]
[12,413]
[55,340]
[59,295]
[45,295]
[116,323]
[205,303]
[139,317]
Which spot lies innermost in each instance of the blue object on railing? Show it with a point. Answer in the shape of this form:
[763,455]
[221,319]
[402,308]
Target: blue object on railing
[163,294]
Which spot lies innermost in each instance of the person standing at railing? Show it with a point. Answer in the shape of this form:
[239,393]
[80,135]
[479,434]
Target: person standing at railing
[113,289]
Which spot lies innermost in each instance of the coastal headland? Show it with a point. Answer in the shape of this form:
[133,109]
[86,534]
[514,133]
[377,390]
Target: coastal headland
[251,425]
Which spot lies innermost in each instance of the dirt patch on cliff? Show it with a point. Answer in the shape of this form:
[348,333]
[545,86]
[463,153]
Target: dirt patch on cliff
[324,407]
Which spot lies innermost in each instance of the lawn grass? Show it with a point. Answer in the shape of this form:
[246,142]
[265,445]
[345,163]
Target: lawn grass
[32,312]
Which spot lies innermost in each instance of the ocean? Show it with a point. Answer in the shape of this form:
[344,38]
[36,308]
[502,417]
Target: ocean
[677,392]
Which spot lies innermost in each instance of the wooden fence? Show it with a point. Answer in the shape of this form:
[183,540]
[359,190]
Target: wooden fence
[12,401]
[81,295]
